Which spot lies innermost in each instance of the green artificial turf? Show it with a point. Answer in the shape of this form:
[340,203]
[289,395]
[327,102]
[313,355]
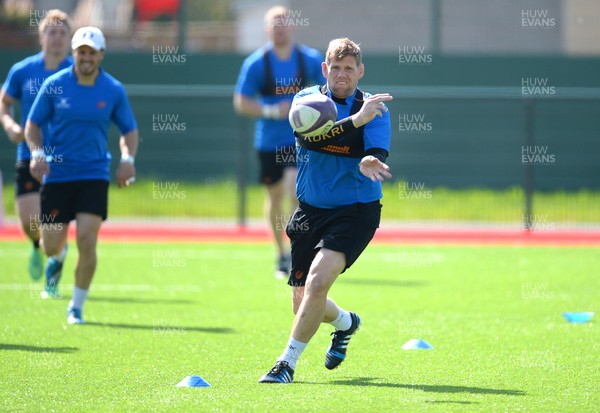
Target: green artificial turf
[160,312]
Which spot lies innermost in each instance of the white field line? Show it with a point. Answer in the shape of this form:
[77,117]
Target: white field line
[108,287]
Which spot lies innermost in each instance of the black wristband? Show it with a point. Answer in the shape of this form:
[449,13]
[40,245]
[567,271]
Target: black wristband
[343,139]
[379,153]
[346,124]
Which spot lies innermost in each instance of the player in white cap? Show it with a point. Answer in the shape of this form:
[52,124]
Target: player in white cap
[75,186]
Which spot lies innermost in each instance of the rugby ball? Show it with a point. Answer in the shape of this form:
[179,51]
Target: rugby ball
[313,115]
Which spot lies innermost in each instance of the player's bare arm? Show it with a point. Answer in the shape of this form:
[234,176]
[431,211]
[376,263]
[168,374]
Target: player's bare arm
[372,107]
[128,144]
[252,107]
[12,127]
[38,165]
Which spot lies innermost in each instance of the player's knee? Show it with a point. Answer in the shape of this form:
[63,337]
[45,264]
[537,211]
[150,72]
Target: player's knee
[330,263]
[50,248]
[86,242]
[317,284]
[30,228]
[276,202]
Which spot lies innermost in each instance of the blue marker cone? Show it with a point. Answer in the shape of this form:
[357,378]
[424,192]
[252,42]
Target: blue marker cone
[193,381]
[578,318]
[417,344]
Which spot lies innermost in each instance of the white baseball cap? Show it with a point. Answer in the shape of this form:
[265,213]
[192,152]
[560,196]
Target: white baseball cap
[88,36]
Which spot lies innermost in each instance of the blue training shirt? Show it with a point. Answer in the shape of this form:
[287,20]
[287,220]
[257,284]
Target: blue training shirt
[23,83]
[78,117]
[271,134]
[330,181]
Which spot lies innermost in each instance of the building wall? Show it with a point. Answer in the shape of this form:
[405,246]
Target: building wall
[452,27]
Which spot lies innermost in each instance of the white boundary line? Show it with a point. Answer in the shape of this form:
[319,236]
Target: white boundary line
[108,287]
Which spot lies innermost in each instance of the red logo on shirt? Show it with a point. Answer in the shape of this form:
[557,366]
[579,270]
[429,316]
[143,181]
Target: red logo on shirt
[101,104]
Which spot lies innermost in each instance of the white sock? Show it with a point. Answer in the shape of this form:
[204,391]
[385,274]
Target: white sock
[60,257]
[79,297]
[292,352]
[343,321]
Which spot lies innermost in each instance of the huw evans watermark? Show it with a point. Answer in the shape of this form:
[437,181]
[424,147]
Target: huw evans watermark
[285,86]
[166,327]
[167,123]
[413,190]
[538,222]
[414,55]
[168,258]
[413,123]
[537,291]
[45,222]
[536,86]
[538,19]
[168,56]
[36,16]
[537,155]
[292,18]
[287,155]
[282,222]
[167,191]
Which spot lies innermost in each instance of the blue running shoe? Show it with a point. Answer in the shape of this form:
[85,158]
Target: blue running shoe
[53,274]
[74,316]
[339,344]
[280,373]
[50,293]
[36,264]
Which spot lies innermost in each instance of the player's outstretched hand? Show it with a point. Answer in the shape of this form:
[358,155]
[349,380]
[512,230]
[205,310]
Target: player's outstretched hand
[125,174]
[372,106]
[374,169]
[38,167]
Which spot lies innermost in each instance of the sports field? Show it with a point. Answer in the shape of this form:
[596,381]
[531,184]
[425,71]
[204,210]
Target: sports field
[160,312]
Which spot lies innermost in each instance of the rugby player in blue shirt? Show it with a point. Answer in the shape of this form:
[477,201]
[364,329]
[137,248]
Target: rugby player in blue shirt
[268,80]
[79,103]
[22,84]
[338,188]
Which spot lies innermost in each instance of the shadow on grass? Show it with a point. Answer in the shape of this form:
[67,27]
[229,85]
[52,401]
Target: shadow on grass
[449,402]
[378,282]
[368,382]
[163,328]
[24,347]
[130,300]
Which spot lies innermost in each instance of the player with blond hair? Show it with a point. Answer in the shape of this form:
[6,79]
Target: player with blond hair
[22,84]
[339,191]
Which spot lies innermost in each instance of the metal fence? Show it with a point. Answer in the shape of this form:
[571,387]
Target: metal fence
[503,140]
[442,137]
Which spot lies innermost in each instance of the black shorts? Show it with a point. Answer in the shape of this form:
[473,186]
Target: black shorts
[347,229]
[272,164]
[26,183]
[62,200]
